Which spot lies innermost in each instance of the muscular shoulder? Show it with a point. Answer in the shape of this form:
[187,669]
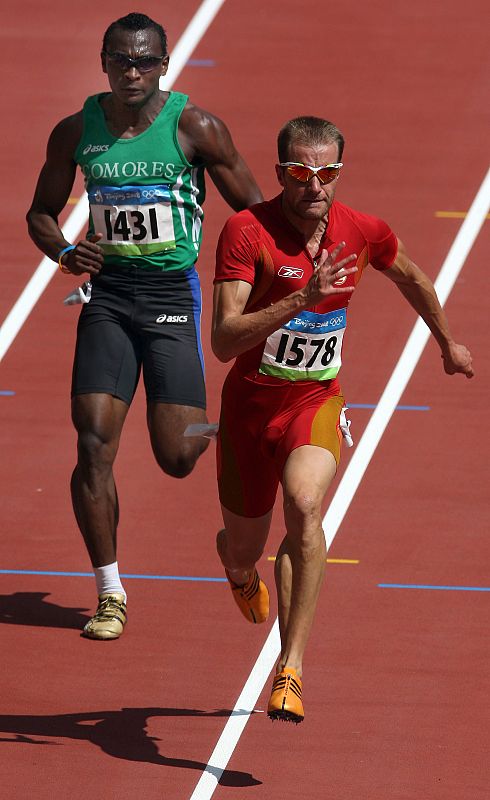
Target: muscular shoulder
[374,233]
[246,225]
[198,122]
[65,135]
[205,135]
[372,228]
[239,246]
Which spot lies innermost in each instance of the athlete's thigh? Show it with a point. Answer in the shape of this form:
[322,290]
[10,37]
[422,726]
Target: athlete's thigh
[315,423]
[307,474]
[247,477]
[107,357]
[173,370]
[168,319]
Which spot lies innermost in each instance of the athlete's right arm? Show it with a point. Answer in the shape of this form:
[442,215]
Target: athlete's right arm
[52,191]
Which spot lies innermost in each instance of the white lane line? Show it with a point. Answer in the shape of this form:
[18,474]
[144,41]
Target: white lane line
[347,487]
[20,311]
[37,284]
[240,715]
[187,43]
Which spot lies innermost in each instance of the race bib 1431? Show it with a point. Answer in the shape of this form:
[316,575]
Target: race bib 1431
[134,220]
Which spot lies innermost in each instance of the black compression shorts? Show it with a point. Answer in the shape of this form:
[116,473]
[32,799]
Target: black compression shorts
[142,319]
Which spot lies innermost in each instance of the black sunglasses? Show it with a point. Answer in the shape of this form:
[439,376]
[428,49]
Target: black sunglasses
[143,64]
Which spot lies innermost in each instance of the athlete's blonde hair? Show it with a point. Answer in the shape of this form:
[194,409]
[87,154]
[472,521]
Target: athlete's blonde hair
[309,131]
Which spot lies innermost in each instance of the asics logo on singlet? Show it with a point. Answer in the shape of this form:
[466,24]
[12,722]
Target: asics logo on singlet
[95,148]
[291,272]
[171,318]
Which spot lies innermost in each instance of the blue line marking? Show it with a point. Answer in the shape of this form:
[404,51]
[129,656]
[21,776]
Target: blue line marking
[6,393]
[397,408]
[91,575]
[175,578]
[440,588]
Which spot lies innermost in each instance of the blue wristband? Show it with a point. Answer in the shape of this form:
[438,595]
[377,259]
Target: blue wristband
[65,250]
[62,253]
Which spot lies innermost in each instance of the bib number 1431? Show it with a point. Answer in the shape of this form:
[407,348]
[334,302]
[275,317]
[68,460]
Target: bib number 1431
[136,220]
[139,229]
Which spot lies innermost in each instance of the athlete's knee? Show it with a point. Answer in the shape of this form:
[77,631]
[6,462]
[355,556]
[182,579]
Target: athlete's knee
[178,463]
[303,518]
[176,468]
[95,455]
[302,506]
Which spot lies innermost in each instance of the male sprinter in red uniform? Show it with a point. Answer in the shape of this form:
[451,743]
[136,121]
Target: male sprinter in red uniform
[285,273]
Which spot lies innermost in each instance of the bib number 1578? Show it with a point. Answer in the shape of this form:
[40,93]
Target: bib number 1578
[323,349]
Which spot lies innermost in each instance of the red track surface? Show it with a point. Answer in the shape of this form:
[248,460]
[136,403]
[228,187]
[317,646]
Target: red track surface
[396,681]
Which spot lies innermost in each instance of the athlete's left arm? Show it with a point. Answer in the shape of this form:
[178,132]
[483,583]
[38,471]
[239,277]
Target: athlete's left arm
[211,142]
[418,289]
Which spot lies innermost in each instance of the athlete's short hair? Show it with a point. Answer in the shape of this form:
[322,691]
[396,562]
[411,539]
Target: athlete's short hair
[309,131]
[135,22]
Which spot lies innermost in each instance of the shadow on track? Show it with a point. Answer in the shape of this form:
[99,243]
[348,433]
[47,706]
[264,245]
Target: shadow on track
[120,734]
[30,608]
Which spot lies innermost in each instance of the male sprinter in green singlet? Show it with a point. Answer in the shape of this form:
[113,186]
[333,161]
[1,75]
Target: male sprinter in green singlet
[143,153]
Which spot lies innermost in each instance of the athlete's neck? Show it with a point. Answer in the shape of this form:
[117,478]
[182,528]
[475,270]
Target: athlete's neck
[313,242]
[312,230]
[128,120]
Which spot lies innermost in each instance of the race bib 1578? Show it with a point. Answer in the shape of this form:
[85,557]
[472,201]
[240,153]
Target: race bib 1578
[308,347]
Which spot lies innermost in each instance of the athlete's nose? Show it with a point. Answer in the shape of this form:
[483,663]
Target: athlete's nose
[132,72]
[314,185]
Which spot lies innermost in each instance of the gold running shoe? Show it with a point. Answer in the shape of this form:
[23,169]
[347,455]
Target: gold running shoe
[252,599]
[110,618]
[286,699]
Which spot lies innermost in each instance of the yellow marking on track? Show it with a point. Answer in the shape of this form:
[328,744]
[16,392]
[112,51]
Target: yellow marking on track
[329,560]
[454,214]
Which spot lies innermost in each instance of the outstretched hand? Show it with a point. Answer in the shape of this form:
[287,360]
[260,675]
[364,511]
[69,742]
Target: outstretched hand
[457,358]
[327,273]
[86,257]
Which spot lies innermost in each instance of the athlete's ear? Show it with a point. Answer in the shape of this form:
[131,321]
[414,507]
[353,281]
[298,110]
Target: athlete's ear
[103,62]
[279,174]
[165,65]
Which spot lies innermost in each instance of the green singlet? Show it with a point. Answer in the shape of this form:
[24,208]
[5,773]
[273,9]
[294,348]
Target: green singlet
[145,197]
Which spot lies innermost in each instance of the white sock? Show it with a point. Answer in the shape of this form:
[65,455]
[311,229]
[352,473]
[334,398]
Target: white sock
[108,581]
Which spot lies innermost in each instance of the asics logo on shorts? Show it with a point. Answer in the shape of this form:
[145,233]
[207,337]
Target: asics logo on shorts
[291,272]
[171,318]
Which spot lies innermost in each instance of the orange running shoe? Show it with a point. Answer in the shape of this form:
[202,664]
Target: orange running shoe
[252,599]
[286,698]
